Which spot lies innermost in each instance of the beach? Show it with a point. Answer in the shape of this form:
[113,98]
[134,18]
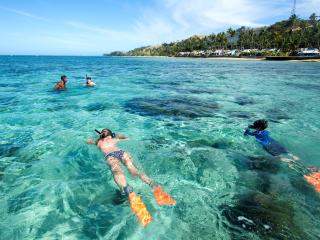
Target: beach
[185,119]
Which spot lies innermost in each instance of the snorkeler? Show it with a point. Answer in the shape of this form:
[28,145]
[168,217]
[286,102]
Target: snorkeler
[61,85]
[268,143]
[114,156]
[89,82]
[311,174]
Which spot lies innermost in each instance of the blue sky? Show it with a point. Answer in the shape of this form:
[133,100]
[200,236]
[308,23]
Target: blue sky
[70,27]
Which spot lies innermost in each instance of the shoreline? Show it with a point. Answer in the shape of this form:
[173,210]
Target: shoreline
[229,58]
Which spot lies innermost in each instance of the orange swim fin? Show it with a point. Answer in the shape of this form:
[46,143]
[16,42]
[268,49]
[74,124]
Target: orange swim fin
[314,180]
[162,197]
[139,209]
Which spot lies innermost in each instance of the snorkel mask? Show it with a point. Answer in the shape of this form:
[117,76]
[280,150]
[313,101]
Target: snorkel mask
[113,135]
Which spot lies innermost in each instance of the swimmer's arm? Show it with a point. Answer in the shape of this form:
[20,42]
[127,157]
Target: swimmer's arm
[90,141]
[121,137]
[248,132]
[58,86]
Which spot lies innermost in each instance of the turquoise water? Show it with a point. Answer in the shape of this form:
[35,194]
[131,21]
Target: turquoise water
[185,120]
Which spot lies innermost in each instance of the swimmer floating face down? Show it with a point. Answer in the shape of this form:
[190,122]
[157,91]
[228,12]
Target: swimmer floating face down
[116,159]
[311,174]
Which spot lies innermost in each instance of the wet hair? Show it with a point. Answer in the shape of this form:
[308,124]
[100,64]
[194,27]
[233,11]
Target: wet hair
[63,77]
[260,124]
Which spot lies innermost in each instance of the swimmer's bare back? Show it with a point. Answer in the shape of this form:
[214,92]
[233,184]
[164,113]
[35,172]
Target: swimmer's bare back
[60,86]
[108,145]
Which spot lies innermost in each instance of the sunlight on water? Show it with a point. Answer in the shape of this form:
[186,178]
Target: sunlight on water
[185,120]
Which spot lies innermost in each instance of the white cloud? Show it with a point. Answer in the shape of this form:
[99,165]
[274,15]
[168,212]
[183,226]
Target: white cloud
[102,32]
[152,29]
[23,13]
[170,20]
[218,14]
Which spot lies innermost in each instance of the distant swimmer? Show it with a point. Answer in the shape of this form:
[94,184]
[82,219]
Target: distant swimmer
[89,82]
[312,175]
[114,156]
[61,85]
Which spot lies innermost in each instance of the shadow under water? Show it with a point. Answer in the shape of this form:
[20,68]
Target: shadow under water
[218,144]
[267,164]
[276,115]
[179,107]
[244,100]
[266,216]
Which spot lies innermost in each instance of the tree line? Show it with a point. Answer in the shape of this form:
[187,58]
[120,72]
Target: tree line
[286,36]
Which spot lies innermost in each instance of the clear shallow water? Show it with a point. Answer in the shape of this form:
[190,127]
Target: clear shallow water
[185,119]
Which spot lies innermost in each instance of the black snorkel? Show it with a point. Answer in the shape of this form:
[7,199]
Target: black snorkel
[113,135]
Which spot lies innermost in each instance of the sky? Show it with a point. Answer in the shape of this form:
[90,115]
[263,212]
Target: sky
[94,27]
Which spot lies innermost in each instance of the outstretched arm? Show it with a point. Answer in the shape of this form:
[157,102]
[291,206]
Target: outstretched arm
[248,132]
[90,141]
[121,137]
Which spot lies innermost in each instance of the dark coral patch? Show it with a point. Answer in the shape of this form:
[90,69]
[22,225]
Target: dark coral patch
[264,215]
[305,86]
[244,100]
[178,108]
[97,107]
[218,144]
[276,115]
[240,114]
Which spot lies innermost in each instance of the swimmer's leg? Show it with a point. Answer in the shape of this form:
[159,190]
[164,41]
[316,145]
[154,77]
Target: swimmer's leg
[128,162]
[160,196]
[293,157]
[136,204]
[117,172]
[293,163]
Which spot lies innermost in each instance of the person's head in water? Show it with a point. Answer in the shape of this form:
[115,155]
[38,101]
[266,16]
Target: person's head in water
[88,80]
[259,125]
[64,78]
[106,133]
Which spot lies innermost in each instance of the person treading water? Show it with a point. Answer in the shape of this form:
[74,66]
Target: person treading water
[61,85]
[115,157]
[311,174]
[89,82]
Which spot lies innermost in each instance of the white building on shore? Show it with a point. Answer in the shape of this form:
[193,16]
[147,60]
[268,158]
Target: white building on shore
[308,52]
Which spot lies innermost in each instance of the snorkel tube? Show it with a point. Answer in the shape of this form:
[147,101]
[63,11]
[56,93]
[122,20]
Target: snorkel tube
[113,135]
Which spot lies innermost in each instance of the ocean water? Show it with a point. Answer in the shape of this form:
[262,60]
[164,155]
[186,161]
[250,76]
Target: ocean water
[185,120]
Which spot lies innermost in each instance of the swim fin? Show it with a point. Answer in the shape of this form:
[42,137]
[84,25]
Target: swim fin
[139,209]
[162,197]
[314,180]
